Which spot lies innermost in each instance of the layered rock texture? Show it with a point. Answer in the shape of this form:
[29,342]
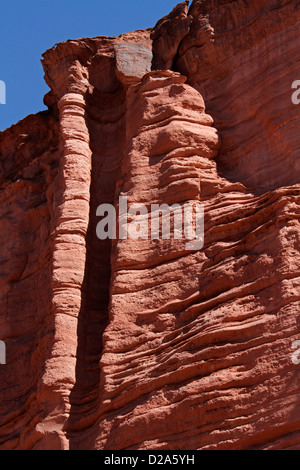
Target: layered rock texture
[141,344]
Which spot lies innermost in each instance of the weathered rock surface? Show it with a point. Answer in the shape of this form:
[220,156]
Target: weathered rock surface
[141,344]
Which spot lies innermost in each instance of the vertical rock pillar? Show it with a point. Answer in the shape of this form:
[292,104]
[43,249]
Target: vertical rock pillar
[71,208]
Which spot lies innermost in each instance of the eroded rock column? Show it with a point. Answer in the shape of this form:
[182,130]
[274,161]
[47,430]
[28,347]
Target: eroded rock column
[72,205]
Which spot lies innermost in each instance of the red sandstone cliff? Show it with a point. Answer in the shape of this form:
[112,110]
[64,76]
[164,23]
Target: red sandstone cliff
[142,344]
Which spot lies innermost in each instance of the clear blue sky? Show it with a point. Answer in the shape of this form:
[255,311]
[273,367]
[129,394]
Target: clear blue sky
[29,28]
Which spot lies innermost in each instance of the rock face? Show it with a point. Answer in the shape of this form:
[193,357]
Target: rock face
[141,344]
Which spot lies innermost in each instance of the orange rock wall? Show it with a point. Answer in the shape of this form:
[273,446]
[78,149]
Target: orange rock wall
[143,344]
